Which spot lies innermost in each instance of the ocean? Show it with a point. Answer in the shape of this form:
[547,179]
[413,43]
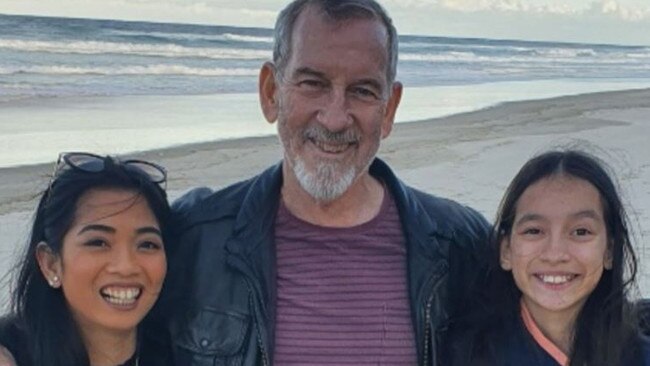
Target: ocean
[116,86]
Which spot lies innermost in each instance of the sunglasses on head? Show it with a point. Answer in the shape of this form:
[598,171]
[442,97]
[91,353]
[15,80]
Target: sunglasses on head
[91,163]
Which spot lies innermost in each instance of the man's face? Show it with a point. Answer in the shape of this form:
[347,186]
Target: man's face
[333,102]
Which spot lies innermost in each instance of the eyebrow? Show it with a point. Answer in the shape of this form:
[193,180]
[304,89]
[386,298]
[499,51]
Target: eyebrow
[308,71]
[590,214]
[528,217]
[149,230]
[96,227]
[111,230]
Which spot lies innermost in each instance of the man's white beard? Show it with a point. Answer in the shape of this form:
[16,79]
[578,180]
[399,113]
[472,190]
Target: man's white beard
[325,184]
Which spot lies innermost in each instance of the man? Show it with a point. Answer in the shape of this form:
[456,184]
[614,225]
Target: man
[326,258]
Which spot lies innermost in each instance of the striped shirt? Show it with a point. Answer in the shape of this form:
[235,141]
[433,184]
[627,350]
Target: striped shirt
[342,292]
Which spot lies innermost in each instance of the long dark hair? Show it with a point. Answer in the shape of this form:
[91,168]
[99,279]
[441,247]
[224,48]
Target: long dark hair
[41,313]
[605,331]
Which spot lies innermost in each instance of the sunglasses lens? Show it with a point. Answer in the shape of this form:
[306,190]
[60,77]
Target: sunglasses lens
[86,162]
[155,173]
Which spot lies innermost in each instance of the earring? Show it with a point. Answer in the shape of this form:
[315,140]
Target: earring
[54,282]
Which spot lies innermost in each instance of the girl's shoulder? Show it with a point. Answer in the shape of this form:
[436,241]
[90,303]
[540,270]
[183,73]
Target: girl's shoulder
[645,349]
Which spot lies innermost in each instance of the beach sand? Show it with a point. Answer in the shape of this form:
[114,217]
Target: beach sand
[469,157]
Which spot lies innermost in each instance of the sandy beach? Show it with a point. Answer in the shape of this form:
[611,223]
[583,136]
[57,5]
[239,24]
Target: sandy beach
[468,157]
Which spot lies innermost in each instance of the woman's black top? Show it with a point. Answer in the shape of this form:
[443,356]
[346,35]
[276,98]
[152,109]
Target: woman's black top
[14,338]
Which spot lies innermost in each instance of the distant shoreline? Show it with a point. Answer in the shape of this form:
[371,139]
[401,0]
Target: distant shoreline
[17,175]
[36,130]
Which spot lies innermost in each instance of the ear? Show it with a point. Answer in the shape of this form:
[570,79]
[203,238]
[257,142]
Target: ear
[267,92]
[391,108]
[608,261]
[49,264]
[505,254]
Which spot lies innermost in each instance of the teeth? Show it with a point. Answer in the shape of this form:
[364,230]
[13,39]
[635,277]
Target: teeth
[331,148]
[121,296]
[556,279]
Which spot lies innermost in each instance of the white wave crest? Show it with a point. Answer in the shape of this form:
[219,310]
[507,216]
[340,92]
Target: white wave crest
[167,50]
[196,36]
[243,38]
[130,70]
[567,52]
[569,56]
[440,57]
[639,55]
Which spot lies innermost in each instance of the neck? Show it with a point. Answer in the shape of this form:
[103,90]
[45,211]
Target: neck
[556,326]
[109,348]
[359,204]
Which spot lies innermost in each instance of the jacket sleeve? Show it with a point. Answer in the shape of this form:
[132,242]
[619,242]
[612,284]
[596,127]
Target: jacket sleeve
[181,245]
[469,261]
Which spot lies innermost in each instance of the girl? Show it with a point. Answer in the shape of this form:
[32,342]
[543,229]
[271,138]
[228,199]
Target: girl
[93,269]
[561,268]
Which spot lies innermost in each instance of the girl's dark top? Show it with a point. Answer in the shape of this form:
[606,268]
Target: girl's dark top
[513,345]
[151,352]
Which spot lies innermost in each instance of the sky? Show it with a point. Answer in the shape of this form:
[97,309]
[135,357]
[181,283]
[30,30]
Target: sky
[590,21]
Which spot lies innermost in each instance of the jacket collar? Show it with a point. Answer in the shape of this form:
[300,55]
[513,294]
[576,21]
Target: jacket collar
[256,219]
[255,222]
[417,225]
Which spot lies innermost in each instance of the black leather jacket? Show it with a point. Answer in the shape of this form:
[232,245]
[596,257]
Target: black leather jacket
[220,292]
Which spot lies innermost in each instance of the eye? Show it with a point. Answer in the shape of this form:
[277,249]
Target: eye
[582,232]
[149,245]
[96,243]
[311,84]
[531,231]
[365,93]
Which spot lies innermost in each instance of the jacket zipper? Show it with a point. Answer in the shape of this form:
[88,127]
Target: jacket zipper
[240,265]
[427,313]
[265,359]
[427,328]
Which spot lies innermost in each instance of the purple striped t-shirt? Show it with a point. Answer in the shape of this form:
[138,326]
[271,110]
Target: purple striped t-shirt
[342,292]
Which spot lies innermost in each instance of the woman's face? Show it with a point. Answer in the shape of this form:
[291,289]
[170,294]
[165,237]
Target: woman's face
[557,250]
[112,263]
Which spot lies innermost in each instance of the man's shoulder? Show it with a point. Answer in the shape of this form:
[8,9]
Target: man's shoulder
[204,203]
[449,215]
[445,217]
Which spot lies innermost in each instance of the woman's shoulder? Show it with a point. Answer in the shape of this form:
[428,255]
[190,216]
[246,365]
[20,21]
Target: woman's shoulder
[154,350]
[8,336]
[10,331]
[13,344]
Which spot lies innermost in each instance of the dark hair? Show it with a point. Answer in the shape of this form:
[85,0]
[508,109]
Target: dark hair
[605,332]
[51,334]
[336,10]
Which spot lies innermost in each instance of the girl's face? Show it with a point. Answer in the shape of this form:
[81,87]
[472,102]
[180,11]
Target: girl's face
[112,263]
[557,249]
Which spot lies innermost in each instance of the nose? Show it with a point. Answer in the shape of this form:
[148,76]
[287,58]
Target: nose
[334,114]
[555,249]
[123,262]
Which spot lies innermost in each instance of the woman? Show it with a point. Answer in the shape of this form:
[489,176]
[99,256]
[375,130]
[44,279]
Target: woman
[561,268]
[93,269]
